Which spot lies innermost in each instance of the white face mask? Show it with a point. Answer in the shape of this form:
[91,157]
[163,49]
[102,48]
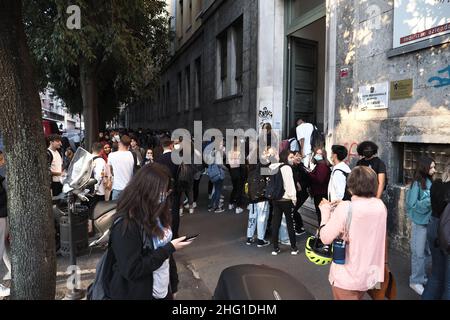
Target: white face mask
[177,147]
[318,157]
[291,162]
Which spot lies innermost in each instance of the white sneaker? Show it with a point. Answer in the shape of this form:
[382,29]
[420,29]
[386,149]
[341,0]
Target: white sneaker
[418,288]
[191,211]
[186,206]
[181,212]
[7,276]
[286,242]
[219,210]
[4,291]
[239,210]
[194,205]
[230,206]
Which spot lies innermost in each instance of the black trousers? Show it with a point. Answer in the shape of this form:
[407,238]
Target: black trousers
[237,179]
[197,188]
[302,196]
[269,220]
[280,208]
[210,187]
[317,201]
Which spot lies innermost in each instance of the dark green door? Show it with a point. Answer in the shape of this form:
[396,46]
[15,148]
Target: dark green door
[303,80]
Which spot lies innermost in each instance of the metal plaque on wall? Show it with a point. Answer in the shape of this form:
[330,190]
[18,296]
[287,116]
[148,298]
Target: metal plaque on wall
[402,89]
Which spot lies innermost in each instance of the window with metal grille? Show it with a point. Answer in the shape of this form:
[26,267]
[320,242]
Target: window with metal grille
[411,152]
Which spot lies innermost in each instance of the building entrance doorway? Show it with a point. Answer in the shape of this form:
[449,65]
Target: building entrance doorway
[306,75]
[305,96]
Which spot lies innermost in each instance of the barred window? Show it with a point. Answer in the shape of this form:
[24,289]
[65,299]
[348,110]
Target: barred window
[411,152]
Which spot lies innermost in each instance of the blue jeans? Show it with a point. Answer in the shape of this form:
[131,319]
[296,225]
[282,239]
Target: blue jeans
[215,199]
[438,286]
[116,194]
[419,253]
[257,219]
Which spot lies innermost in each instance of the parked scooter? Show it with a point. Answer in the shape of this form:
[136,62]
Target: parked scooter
[102,215]
[77,195]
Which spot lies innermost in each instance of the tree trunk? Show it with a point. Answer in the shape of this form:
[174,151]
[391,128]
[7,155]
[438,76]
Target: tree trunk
[30,207]
[89,93]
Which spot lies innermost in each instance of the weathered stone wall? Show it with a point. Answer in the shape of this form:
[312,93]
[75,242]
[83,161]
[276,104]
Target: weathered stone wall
[363,41]
[232,112]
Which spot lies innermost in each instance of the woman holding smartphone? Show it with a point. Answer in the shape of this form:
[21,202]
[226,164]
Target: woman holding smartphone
[141,239]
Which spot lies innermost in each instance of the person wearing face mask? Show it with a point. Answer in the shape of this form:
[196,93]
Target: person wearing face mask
[339,174]
[368,151]
[418,207]
[148,157]
[320,178]
[286,204]
[302,184]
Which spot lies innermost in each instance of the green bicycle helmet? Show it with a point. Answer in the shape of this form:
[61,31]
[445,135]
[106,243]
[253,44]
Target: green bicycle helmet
[317,254]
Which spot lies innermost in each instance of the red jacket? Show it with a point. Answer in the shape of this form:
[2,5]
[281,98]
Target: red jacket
[320,177]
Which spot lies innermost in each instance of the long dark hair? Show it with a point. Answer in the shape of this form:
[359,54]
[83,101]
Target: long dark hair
[284,155]
[423,171]
[144,200]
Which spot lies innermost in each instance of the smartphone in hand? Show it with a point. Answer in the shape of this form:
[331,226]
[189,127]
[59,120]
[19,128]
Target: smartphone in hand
[191,238]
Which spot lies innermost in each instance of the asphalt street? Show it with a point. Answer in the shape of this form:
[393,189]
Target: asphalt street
[221,244]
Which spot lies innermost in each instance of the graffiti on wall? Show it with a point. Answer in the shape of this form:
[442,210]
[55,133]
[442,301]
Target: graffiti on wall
[441,81]
[352,153]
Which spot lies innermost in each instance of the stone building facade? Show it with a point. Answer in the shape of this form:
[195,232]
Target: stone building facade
[211,76]
[360,70]
[416,122]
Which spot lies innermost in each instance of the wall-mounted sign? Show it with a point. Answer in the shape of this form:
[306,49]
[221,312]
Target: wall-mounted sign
[374,97]
[402,89]
[416,21]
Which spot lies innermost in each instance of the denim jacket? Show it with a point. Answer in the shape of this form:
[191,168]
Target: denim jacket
[418,203]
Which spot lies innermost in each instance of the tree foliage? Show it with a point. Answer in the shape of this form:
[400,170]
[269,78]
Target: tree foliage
[124,41]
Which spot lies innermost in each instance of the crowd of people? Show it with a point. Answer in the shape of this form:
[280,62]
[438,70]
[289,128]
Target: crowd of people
[137,170]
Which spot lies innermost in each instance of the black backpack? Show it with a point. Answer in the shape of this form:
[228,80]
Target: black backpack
[275,186]
[317,139]
[136,166]
[256,184]
[347,194]
[444,230]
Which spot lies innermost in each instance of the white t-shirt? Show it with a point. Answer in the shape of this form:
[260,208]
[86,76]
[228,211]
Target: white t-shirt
[56,165]
[99,167]
[122,163]
[161,276]
[304,131]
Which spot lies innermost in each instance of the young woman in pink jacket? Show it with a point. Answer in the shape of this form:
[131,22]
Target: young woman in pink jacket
[361,223]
